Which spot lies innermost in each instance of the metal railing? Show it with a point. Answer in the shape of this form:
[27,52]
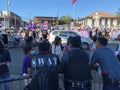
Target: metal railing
[11,80]
[96,82]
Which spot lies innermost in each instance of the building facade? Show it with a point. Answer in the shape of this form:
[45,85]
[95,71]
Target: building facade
[51,20]
[99,19]
[9,20]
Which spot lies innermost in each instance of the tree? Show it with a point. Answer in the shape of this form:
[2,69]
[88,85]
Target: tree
[118,16]
[65,19]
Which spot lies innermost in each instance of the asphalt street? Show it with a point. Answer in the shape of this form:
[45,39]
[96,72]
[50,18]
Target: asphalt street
[17,56]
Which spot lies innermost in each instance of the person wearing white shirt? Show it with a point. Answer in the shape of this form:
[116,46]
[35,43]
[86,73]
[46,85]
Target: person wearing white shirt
[56,47]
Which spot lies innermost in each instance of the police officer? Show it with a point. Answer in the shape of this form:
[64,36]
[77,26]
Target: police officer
[109,64]
[44,69]
[75,66]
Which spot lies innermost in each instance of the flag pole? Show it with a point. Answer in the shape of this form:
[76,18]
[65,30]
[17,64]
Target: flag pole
[8,13]
[74,14]
[57,6]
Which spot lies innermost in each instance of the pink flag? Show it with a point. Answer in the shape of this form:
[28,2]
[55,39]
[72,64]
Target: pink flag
[73,1]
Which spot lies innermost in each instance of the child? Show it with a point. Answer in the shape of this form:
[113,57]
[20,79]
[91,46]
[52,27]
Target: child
[28,52]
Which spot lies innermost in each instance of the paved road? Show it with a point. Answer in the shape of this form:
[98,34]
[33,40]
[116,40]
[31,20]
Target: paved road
[17,56]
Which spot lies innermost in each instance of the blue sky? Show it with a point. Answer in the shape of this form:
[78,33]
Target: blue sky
[30,8]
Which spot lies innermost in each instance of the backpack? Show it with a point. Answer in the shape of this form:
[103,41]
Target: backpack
[3,67]
[45,75]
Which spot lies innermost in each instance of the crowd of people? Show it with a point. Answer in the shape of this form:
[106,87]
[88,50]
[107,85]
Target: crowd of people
[109,33]
[72,61]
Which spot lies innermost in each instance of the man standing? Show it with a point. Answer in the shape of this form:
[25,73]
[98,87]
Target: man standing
[44,69]
[75,66]
[5,59]
[109,64]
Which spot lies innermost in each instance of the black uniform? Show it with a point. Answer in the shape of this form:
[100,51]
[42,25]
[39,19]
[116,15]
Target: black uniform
[75,66]
[44,71]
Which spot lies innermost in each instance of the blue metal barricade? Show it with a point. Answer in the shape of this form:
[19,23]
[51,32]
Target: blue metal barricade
[96,82]
[11,80]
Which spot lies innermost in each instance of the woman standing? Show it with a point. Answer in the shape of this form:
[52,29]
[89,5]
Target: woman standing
[57,47]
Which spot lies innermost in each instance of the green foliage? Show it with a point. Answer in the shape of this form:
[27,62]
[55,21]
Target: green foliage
[118,13]
[65,19]
[61,22]
[118,16]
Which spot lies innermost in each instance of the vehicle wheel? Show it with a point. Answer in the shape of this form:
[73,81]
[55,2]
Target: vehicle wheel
[85,46]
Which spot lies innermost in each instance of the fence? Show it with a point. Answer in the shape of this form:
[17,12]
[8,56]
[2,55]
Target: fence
[96,82]
[11,80]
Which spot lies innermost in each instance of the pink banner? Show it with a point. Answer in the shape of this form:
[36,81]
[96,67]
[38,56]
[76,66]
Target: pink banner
[84,33]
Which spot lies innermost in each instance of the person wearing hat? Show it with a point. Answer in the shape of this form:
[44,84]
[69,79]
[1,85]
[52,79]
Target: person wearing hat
[75,66]
[5,58]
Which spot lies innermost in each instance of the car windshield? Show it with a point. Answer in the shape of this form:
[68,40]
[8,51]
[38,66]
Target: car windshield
[72,34]
[63,34]
[55,33]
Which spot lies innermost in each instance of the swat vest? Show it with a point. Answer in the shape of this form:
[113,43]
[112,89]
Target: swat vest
[44,72]
[44,61]
[77,67]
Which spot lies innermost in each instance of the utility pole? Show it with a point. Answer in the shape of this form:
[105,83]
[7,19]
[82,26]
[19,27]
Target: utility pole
[57,7]
[8,13]
[4,20]
[53,21]
[15,21]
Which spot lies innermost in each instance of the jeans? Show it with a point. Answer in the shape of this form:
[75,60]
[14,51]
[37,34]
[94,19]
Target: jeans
[71,88]
[111,87]
[7,84]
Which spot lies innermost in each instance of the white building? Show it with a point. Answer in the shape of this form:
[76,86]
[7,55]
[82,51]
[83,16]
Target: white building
[9,20]
[99,19]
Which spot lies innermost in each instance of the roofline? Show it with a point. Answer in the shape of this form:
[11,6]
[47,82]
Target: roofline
[88,16]
[11,13]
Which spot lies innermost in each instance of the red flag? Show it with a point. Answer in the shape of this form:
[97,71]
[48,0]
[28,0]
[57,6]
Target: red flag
[73,1]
